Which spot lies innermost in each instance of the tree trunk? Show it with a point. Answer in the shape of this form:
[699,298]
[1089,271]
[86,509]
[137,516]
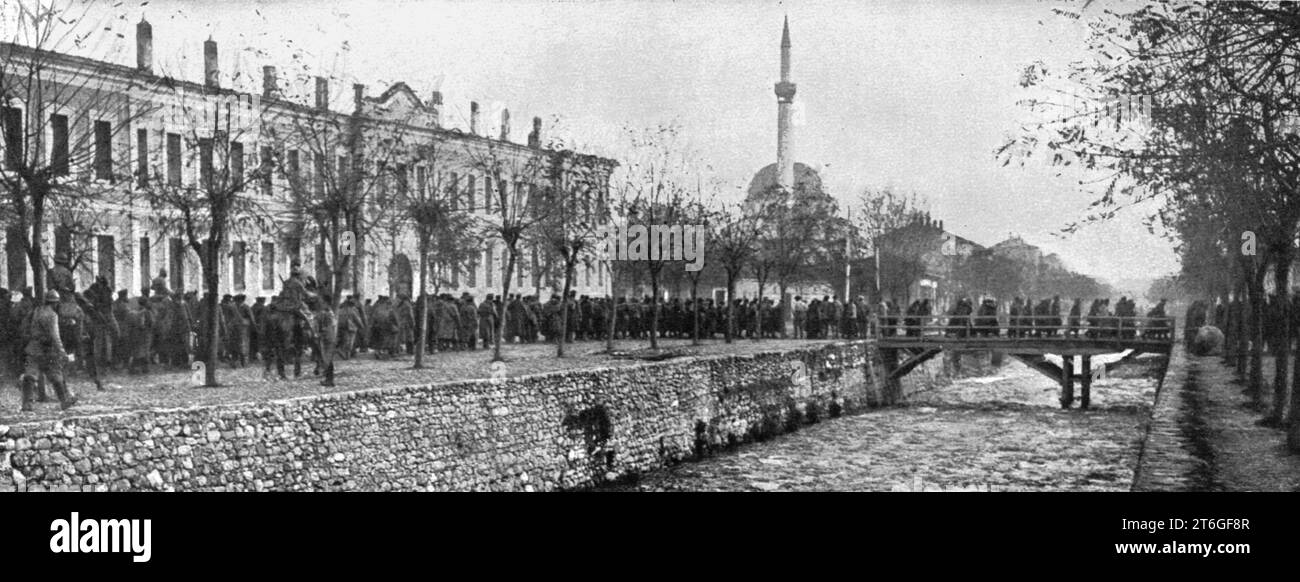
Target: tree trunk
[612,319]
[35,250]
[759,311]
[505,303]
[1282,345]
[211,277]
[695,311]
[1240,325]
[654,309]
[564,308]
[1255,382]
[422,317]
[731,306]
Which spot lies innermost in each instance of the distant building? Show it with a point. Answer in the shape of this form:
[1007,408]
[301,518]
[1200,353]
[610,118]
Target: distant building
[925,256]
[131,249]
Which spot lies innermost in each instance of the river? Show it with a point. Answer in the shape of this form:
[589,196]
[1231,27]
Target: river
[1001,431]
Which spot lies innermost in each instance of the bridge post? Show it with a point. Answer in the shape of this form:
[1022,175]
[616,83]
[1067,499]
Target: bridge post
[1086,381]
[892,390]
[1067,380]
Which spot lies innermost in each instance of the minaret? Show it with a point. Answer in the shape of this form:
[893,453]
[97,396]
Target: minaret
[784,104]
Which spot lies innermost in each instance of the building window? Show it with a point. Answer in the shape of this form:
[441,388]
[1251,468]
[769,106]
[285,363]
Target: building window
[174,159]
[142,157]
[403,184]
[586,265]
[471,192]
[487,262]
[145,275]
[239,252]
[422,182]
[62,240]
[487,194]
[59,146]
[177,273]
[12,119]
[293,169]
[268,163]
[106,265]
[205,163]
[318,175]
[237,166]
[16,258]
[268,266]
[453,194]
[472,274]
[103,150]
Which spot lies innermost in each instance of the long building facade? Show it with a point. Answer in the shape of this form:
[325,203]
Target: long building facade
[117,127]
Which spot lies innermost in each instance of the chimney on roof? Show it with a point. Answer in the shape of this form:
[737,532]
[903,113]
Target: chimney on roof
[940,225]
[473,117]
[535,137]
[144,46]
[270,86]
[211,76]
[505,125]
[322,93]
[435,103]
[358,95]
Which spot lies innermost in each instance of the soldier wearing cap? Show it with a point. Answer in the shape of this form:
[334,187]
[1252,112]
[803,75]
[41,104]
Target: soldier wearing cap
[295,294]
[45,354]
[159,285]
[60,277]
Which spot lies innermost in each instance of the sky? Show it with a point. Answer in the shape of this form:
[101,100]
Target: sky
[913,95]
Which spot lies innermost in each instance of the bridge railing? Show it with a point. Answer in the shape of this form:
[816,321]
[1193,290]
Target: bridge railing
[1026,327]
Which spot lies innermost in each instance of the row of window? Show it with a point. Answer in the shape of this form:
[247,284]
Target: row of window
[105,253]
[209,154]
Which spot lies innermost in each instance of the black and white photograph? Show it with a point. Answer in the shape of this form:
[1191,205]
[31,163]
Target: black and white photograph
[627,247]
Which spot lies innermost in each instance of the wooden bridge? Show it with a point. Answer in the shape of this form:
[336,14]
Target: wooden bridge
[909,341]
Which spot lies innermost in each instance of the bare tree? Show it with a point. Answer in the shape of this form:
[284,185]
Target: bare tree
[444,236]
[215,205]
[571,230]
[656,182]
[734,242]
[878,213]
[339,171]
[1217,85]
[513,173]
[63,118]
[699,213]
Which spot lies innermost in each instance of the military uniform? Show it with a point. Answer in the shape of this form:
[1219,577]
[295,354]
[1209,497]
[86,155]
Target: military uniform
[487,321]
[44,354]
[294,298]
[468,322]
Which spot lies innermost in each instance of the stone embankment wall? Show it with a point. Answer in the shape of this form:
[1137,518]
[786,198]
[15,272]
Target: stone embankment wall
[561,430]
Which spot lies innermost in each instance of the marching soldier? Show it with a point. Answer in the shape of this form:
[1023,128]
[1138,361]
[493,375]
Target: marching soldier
[45,355]
[294,295]
[468,322]
[487,321]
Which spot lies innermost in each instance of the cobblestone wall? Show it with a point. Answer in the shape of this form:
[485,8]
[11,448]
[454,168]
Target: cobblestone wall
[551,431]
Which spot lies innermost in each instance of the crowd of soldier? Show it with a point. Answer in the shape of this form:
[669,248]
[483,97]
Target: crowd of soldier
[1027,319]
[160,327]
